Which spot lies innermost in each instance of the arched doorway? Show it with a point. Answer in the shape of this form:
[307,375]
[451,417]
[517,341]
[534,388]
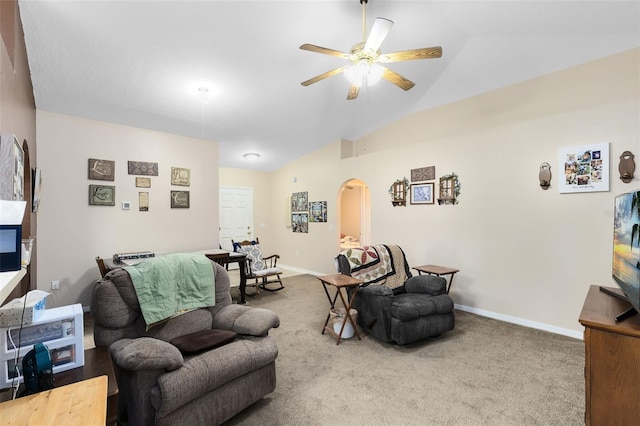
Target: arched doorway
[355,214]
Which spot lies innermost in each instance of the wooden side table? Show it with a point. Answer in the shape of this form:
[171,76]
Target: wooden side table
[439,271]
[81,403]
[97,362]
[340,281]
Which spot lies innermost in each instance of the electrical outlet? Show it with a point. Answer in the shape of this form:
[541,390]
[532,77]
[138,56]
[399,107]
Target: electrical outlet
[55,285]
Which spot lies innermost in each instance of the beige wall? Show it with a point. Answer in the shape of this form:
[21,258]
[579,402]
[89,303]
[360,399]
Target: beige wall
[524,254]
[71,233]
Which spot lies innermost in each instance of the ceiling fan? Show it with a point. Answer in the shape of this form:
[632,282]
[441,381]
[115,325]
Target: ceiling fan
[366,58]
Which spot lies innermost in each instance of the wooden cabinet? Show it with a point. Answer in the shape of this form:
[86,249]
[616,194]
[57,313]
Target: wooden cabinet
[612,361]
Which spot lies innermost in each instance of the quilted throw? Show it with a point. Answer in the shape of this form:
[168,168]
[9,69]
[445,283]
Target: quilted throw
[379,264]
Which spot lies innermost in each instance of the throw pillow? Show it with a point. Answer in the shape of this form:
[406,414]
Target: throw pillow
[203,340]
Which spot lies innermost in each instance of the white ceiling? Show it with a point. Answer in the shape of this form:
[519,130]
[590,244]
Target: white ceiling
[140,63]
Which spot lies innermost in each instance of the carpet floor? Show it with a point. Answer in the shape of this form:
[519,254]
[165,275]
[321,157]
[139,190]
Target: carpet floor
[484,372]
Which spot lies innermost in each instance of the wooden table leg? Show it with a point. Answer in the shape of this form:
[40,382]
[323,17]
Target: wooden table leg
[348,315]
[243,281]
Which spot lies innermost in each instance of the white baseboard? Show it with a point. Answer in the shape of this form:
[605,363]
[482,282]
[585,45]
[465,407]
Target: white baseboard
[523,322]
[299,270]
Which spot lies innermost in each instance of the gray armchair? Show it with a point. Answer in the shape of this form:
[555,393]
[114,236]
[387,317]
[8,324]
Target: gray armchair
[412,309]
[158,384]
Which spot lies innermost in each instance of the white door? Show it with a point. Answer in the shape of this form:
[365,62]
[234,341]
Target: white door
[236,215]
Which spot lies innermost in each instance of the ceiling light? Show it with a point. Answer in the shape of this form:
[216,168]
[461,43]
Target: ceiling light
[251,155]
[203,95]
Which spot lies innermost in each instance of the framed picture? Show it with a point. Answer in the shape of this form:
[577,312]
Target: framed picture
[299,202]
[180,176]
[36,183]
[300,222]
[179,199]
[143,201]
[102,195]
[421,193]
[143,182]
[423,173]
[317,211]
[584,168]
[142,168]
[101,169]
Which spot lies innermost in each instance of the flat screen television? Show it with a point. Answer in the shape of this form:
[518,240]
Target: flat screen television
[626,248]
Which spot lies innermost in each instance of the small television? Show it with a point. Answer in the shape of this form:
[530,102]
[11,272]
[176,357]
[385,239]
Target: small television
[626,249]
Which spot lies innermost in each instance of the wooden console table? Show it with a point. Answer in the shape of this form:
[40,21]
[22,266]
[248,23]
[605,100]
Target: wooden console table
[612,360]
[82,403]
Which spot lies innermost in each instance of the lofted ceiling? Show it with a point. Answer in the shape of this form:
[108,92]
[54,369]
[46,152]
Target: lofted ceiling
[140,63]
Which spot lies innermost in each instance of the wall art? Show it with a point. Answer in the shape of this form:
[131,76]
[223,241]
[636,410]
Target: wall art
[143,182]
[102,169]
[102,195]
[423,173]
[142,168]
[318,211]
[299,202]
[584,168]
[36,183]
[179,199]
[421,193]
[449,189]
[143,201]
[180,176]
[300,222]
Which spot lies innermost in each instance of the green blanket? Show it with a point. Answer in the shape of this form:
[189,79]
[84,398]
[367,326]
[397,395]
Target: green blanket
[169,285]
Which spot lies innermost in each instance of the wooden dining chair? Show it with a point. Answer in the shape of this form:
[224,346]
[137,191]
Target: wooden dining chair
[221,259]
[101,266]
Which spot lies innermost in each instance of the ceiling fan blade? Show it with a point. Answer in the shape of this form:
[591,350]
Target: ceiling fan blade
[409,55]
[379,32]
[397,79]
[354,91]
[324,50]
[323,76]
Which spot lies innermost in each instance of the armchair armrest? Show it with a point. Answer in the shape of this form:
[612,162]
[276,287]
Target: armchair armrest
[426,284]
[246,320]
[271,261]
[145,353]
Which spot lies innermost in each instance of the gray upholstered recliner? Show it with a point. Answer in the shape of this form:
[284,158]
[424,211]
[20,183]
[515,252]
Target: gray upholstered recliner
[393,305]
[157,383]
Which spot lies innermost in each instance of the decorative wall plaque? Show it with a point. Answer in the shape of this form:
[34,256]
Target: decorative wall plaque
[142,168]
[101,169]
[102,195]
[423,173]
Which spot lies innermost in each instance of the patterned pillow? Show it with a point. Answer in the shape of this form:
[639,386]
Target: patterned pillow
[253,252]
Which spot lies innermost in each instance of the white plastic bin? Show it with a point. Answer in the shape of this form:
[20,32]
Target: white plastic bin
[338,316]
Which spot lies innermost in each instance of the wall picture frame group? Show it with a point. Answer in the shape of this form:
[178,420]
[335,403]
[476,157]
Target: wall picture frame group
[421,193]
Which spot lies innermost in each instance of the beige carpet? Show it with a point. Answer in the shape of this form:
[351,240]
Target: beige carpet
[484,372]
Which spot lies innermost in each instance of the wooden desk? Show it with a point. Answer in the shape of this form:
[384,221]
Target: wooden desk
[82,404]
[439,271]
[234,257]
[612,360]
[340,281]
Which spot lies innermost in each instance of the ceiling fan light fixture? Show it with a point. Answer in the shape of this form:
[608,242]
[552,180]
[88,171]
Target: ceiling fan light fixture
[251,155]
[357,73]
